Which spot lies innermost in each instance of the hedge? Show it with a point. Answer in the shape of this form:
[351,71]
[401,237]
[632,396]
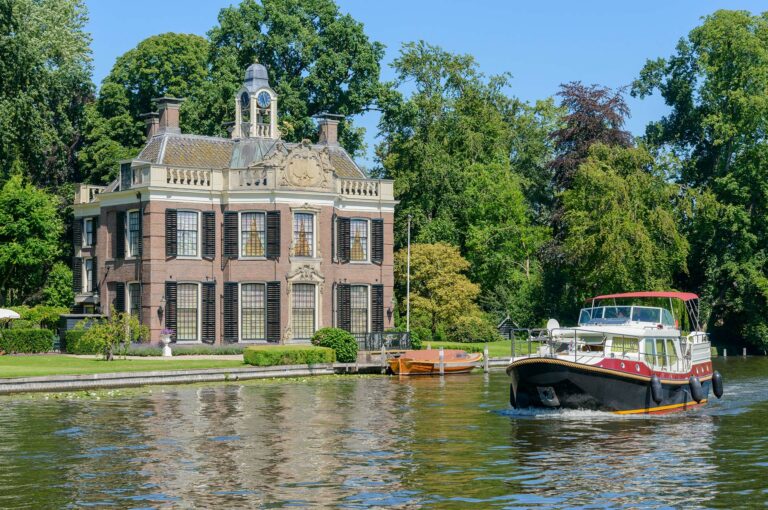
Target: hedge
[184,350]
[74,343]
[26,341]
[341,341]
[268,355]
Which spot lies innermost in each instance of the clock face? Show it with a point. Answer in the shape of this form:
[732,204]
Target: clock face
[264,99]
[245,100]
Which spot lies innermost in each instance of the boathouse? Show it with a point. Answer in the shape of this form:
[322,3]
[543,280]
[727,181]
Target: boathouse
[245,239]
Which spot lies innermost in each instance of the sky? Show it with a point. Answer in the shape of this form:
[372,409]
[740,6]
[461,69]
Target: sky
[541,43]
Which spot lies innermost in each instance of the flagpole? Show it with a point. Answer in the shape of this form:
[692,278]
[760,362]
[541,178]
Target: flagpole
[408,282]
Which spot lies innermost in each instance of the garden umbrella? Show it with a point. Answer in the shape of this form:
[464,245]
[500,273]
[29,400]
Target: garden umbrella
[8,314]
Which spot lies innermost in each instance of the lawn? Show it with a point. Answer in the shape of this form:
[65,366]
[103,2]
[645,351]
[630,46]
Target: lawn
[502,349]
[57,364]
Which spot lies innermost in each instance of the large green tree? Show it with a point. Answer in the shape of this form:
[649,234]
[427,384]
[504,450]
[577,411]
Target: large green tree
[319,60]
[455,150]
[716,85]
[45,82]
[30,230]
[621,224]
[166,64]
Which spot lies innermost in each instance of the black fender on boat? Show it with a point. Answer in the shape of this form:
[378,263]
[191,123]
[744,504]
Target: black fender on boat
[717,384]
[696,391]
[657,393]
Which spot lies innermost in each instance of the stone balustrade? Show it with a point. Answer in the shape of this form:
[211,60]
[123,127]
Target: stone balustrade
[188,177]
[365,188]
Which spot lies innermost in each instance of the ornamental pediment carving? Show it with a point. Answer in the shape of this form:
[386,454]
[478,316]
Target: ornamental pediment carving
[302,166]
[305,273]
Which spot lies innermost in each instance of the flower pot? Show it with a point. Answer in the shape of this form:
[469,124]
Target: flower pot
[166,340]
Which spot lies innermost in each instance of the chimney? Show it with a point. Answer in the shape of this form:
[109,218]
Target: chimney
[329,128]
[152,121]
[168,109]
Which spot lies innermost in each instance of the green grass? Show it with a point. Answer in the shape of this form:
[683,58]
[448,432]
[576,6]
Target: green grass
[502,349]
[57,364]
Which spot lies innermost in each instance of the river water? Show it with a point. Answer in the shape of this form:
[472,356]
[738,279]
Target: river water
[367,442]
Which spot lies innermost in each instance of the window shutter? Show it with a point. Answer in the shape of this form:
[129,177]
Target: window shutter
[342,242]
[95,275]
[171,241]
[344,306]
[125,176]
[230,235]
[377,241]
[230,312]
[170,307]
[95,229]
[138,302]
[377,308]
[209,234]
[209,312]
[77,233]
[273,312]
[273,235]
[141,231]
[120,235]
[119,301]
[77,275]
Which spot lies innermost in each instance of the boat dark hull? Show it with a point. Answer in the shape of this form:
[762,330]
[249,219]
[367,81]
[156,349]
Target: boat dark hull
[556,384]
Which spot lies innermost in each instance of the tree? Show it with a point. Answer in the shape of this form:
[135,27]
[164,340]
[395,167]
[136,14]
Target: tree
[319,60]
[58,287]
[168,64]
[440,291]
[715,85]
[45,72]
[621,225]
[29,240]
[113,334]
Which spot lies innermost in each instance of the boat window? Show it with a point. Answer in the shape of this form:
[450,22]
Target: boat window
[625,345]
[589,314]
[649,358]
[671,353]
[646,314]
[617,312]
[584,316]
[660,358]
[666,318]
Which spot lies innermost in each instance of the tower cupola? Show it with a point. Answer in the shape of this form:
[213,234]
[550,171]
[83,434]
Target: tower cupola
[255,106]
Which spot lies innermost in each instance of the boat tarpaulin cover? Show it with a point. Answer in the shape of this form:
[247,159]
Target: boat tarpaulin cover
[685,296]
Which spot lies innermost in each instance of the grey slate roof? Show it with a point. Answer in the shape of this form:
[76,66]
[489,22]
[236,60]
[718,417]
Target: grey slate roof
[213,152]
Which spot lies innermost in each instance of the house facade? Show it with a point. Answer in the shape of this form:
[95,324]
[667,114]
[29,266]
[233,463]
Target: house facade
[247,239]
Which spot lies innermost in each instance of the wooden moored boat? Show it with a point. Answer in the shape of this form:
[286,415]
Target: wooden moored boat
[428,362]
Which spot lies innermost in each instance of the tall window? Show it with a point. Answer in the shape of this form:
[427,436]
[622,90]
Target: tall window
[359,306]
[88,232]
[88,275]
[253,236]
[303,234]
[253,313]
[186,311]
[134,299]
[186,233]
[358,238]
[133,233]
[303,310]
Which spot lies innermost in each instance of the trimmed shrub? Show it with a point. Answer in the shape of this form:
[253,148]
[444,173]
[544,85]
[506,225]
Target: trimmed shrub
[23,324]
[473,329]
[183,350]
[77,343]
[341,341]
[420,336]
[268,355]
[26,341]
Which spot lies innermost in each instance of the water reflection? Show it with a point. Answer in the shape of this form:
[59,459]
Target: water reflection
[373,442]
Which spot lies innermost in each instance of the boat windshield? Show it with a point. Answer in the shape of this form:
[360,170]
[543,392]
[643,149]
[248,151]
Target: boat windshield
[625,314]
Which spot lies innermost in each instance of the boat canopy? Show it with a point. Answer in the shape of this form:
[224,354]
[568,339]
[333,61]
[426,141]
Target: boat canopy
[684,296]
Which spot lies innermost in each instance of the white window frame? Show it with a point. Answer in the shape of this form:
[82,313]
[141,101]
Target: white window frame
[240,338]
[367,241]
[317,307]
[85,243]
[370,300]
[240,236]
[87,277]
[199,313]
[199,247]
[313,247]
[129,255]
[128,301]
